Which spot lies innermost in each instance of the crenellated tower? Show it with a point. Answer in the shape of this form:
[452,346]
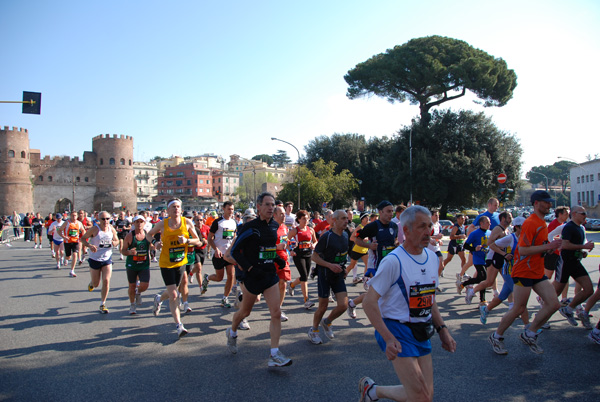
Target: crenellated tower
[16,192]
[114,172]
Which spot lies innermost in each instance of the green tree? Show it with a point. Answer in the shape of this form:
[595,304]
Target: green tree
[281,158]
[558,174]
[456,160]
[264,158]
[430,71]
[320,184]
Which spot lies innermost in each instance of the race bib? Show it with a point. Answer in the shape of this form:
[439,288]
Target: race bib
[304,245]
[176,254]
[267,254]
[386,250]
[421,300]
[460,241]
[105,243]
[227,234]
[341,258]
[140,257]
[73,232]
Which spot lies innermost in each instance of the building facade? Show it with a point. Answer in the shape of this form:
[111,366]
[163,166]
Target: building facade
[585,184]
[146,178]
[191,182]
[103,180]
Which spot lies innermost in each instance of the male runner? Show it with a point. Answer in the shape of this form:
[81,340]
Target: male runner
[283,271]
[477,244]
[528,274]
[255,252]
[401,306]
[222,231]
[457,239]
[330,255]
[122,226]
[290,218]
[71,230]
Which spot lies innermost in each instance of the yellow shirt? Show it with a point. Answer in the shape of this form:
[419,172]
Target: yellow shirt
[173,254]
[357,248]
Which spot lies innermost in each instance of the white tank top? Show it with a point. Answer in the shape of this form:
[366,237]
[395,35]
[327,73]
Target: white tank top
[103,243]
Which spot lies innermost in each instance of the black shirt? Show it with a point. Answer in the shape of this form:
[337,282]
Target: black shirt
[575,234]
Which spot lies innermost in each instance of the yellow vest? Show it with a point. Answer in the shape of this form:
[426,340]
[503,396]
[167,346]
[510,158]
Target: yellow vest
[173,254]
[357,248]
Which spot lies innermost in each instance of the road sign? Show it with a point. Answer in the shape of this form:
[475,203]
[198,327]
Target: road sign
[501,178]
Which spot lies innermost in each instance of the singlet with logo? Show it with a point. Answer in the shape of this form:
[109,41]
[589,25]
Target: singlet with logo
[103,242]
[140,261]
[304,240]
[72,231]
[290,221]
[173,254]
[224,231]
[509,244]
[407,284]
[460,230]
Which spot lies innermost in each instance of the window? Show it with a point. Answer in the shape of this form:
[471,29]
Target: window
[592,199]
[23,154]
[122,161]
[201,181]
[189,182]
[178,182]
[41,178]
[87,179]
[78,179]
[102,163]
[587,178]
[111,161]
[207,181]
[49,178]
[129,162]
[11,154]
[200,190]
[591,177]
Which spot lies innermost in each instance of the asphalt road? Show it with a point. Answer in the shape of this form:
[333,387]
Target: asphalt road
[55,345]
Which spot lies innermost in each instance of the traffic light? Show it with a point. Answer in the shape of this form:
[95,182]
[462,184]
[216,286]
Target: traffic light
[503,193]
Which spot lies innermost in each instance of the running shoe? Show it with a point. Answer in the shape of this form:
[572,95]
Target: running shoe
[313,273]
[569,316]
[225,302]
[205,284]
[356,281]
[132,309]
[327,329]
[157,305]
[459,286]
[308,304]
[138,299]
[584,317]
[181,331]
[231,341]
[191,279]
[366,283]
[244,325]
[103,309]
[351,311]
[72,274]
[531,341]
[80,262]
[290,290]
[284,317]
[279,360]
[237,300]
[497,345]
[483,314]
[58,265]
[313,337]
[186,308]
[469,295]
[594,337]
[90,287]
[364,386]
[35,246]
[540,301]
[495,293]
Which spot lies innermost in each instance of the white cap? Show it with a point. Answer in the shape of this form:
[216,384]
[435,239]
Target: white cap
[139,217]
[518,221]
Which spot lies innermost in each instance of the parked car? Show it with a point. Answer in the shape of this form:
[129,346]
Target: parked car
[592,224]
[446,226]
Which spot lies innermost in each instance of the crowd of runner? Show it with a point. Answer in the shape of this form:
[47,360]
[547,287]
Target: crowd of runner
[401,252]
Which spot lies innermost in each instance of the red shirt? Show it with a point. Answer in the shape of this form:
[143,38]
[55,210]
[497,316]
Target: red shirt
[553,225]
[282,237]
[533,233]
[204,232]
[322,227]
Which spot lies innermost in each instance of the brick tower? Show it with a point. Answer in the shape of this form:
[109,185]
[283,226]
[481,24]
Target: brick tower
[16,189]
[114,172]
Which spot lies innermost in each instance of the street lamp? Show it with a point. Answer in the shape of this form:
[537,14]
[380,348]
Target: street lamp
[547,187]
[298,167]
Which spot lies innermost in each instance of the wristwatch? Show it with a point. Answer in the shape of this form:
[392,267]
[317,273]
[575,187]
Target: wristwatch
[438,329]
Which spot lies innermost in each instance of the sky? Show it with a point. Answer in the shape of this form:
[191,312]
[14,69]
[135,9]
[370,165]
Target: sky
[192,77]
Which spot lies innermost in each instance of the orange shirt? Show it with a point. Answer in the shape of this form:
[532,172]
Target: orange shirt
[533,233]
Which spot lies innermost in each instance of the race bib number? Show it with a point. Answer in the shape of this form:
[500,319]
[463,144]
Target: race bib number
[341,258]
[267,254]
[176,254]
[105,243]
[421,300]
[227,234]
[73,232]
[140,257]
[460,241]
[304,245]
[386,250]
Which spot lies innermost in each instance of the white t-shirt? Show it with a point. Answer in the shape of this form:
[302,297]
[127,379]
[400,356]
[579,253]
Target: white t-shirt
[224,231]
[54,230]
[103,243]
[436,229]
[290,221]
[419,280]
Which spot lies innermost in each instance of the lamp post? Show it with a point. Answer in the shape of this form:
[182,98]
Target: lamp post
[410,164]
[298,167]
[253,173]
[547,187]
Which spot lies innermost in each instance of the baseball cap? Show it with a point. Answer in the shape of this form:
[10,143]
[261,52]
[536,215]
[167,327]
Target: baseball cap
[541,195]
[187,214]
[139,217]
[58,215]
[518,221]
[156,212]
[383,204]
[363,215]
[249,213]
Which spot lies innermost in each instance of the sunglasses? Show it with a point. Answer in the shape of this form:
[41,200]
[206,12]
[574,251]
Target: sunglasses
[581,213]
[104,219]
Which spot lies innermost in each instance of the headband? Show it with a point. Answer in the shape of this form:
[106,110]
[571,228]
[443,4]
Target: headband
[172,202]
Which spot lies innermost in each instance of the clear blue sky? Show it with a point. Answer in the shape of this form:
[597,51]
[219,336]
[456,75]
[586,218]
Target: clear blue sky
[190,77]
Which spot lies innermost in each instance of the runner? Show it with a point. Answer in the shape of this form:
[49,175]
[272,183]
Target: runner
[176,235]
[457,239]
[528,274]
[306,240]
[47,222]
[122,226]
[102,240]
[136,247]
[255,252]
[220,238]
[357,251]
[185,275]
[477,244]
[37,223]
[202,231]
[290,218]
[436,240]
[401,306]
[380,237]
[57,240]
[283,271]
[574,248]
[87,223]
[71,230]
